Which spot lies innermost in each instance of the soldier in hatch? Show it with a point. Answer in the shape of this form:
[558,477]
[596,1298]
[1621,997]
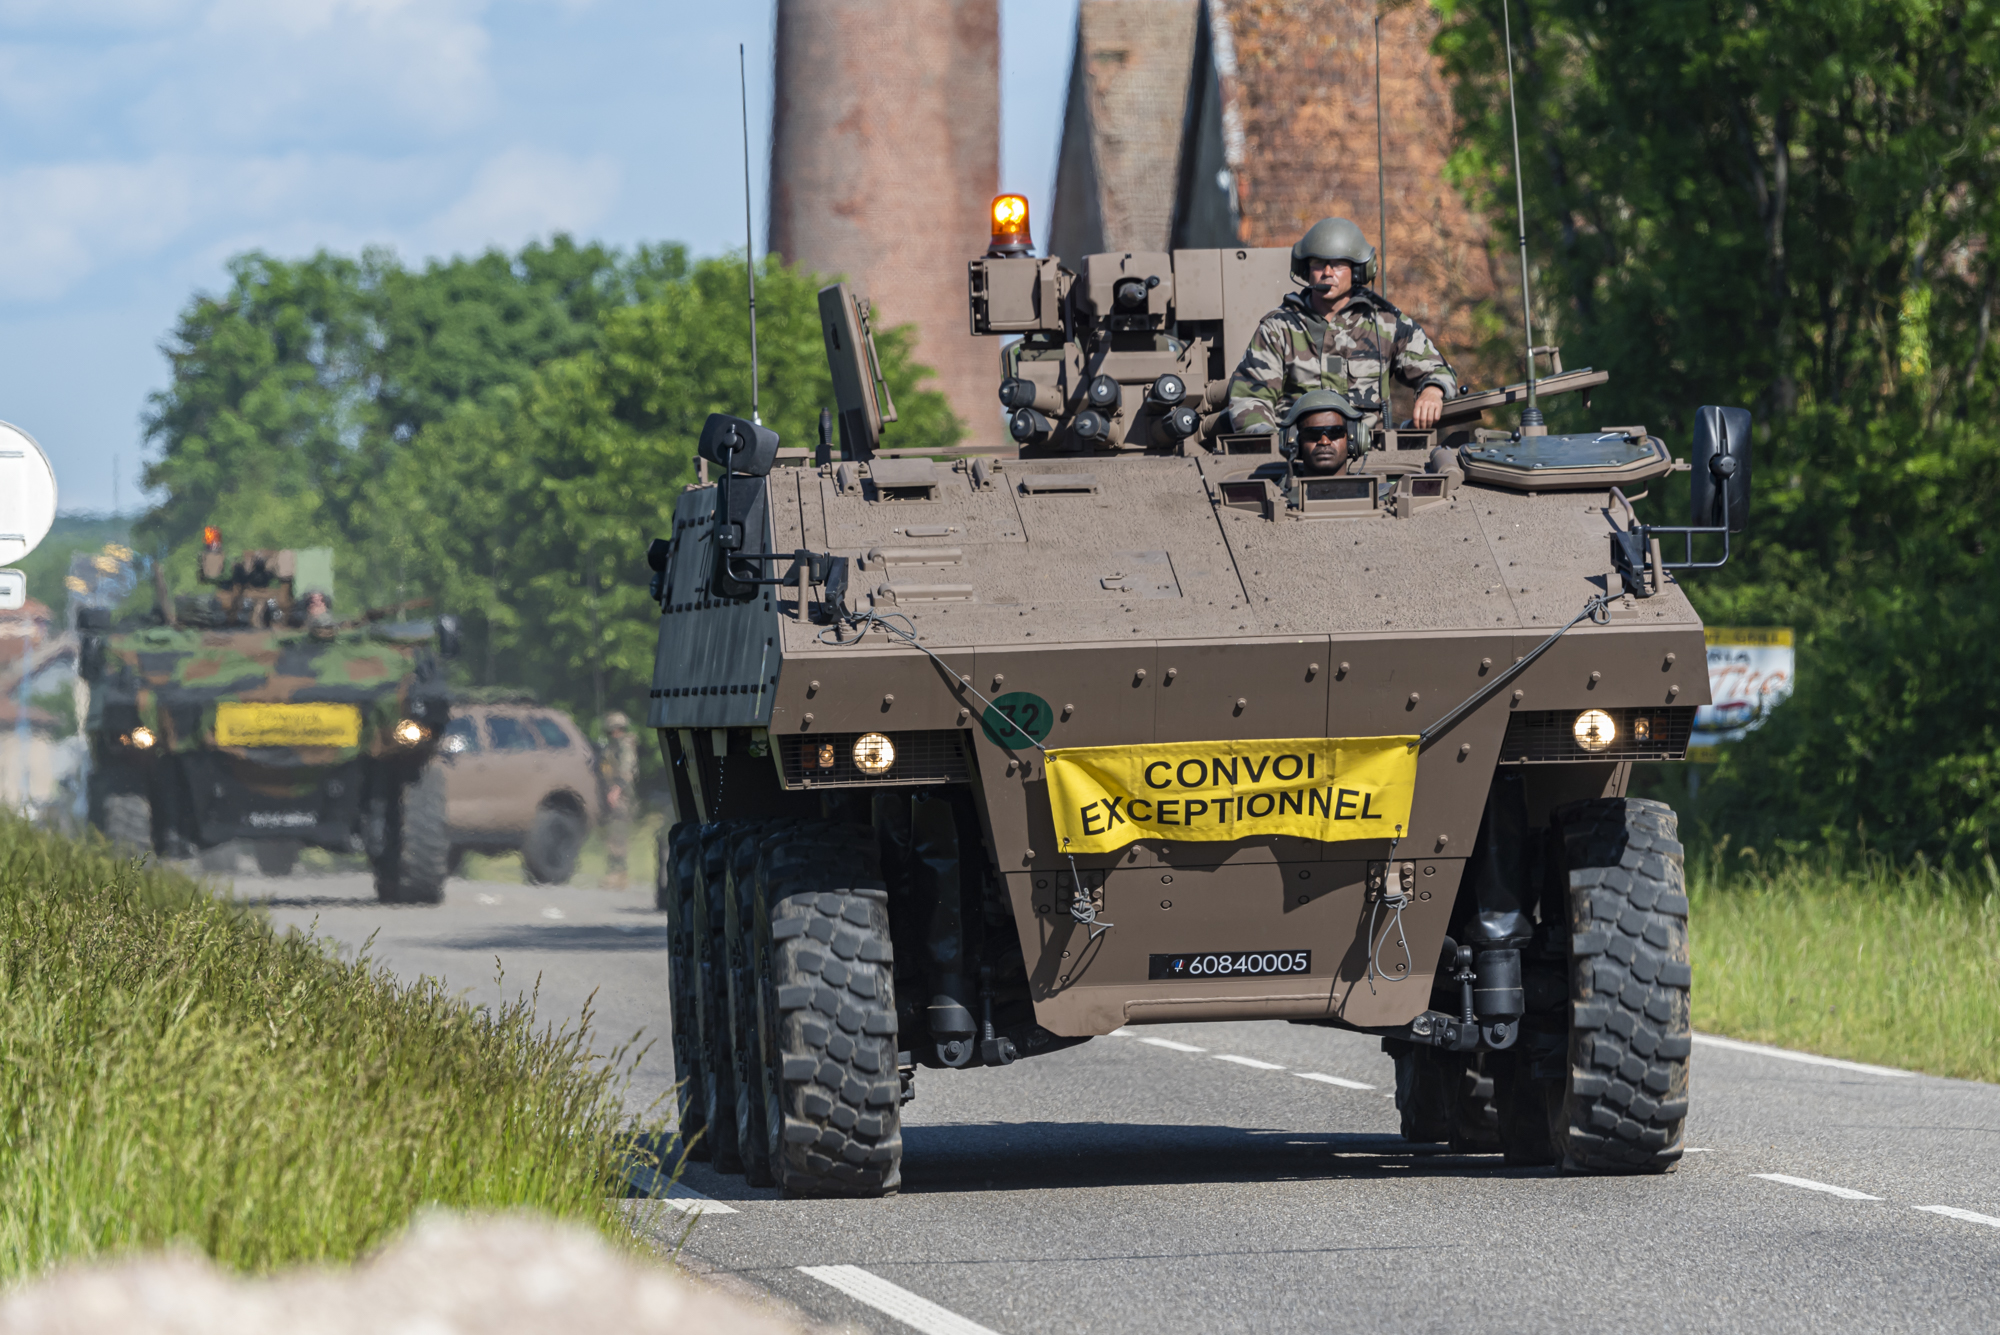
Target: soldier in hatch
[1335,334]
[1326,441]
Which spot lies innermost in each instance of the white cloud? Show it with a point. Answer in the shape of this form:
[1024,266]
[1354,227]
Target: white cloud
[525,192]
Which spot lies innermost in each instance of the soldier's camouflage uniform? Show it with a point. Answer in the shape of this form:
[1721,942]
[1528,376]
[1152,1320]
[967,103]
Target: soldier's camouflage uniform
[618,768]
[1294,352]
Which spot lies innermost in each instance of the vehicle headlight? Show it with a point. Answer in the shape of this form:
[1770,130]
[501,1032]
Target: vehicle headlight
[409,732]
[1595,730]
[142,737]
[874,753]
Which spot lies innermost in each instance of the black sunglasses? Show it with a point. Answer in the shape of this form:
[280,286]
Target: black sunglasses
[1322,433]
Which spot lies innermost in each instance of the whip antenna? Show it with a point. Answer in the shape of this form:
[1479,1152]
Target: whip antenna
[1382,217]
[749,244]
[1531,417]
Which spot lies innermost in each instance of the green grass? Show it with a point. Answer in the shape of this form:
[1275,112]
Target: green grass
[1897,965]
[172,1070]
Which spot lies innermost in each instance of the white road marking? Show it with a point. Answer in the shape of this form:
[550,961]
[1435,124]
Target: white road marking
[486,899]
[1689,1149]
[1121,1033]
[1845,1193]
[553,912]
[1248,1061]
[1968,1216]
[1810,1058]
[1331,1080]
[1173,1046]
[689,1201]
[900,1303]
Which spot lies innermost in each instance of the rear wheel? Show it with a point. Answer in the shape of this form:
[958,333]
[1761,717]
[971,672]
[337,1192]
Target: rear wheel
[413,841]
[747,1109]
[276,857]
[554,843]
[828,1076]
[1621,1106]
[678,881]
[711,994]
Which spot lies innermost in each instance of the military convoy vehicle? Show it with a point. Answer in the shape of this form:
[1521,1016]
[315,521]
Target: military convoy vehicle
[251,712]
[979,758]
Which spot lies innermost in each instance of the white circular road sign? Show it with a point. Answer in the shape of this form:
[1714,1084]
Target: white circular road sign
[27,493]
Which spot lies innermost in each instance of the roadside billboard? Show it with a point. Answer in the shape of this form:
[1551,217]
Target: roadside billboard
[1749,672]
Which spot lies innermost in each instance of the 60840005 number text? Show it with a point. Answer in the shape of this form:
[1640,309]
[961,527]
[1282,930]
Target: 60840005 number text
[1229,964]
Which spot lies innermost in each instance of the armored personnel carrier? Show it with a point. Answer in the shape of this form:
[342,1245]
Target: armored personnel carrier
[252,712]
[978,758]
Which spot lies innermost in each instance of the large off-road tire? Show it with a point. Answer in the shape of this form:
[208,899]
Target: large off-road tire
[678,880]
[718,1088]
[276,857]
[415,842]
[1447,1096]
[747,1110]
[829,1078]
[554,843]
[1622,1106]
[127,821]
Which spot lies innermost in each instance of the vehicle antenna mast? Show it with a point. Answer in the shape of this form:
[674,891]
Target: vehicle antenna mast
[749,244]
[1532,423]
[1382,217]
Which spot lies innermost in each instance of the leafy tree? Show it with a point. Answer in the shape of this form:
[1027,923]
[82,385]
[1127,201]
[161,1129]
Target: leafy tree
[1791,206]
[501,435]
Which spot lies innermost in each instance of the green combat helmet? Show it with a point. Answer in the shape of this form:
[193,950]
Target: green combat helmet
[1325,401]
[1335,239]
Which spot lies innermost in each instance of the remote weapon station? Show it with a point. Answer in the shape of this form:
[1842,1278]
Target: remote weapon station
[978,758]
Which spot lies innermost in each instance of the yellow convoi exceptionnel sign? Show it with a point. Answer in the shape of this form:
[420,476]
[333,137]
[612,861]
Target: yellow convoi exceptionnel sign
[1324,788]
[238,724]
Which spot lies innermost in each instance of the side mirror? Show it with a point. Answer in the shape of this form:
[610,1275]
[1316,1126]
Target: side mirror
[737,445]
[1721,467]
[447,636]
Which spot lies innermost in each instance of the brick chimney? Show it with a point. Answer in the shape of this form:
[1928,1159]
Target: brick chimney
[885,155]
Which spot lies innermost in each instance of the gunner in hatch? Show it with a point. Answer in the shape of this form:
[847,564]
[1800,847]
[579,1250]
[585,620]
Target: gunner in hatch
[1324,440]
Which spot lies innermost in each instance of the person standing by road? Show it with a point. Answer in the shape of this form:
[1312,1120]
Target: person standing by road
[618,765]
[1335,334]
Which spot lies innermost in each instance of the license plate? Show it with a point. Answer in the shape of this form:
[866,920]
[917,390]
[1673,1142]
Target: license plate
[287,725]
[1229,964]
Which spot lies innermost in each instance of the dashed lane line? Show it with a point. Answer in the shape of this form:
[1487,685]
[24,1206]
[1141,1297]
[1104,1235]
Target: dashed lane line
[1809,1058]
[689,1201]
[1969,1216]
[1248,1061]
[919,1313]
[1331,1080]
[1172,1046]
[1845,1193]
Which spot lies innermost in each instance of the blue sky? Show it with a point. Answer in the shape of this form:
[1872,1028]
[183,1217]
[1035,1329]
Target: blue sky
[143,142]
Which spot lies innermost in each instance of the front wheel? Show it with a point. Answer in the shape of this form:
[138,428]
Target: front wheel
[276,857]
[413,839]
[1621,1106]
[829,1077]
[127,821]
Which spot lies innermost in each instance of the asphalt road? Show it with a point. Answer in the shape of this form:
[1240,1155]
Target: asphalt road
[1248,1177]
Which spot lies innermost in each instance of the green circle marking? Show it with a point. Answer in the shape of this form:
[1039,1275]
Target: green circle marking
[1017,720]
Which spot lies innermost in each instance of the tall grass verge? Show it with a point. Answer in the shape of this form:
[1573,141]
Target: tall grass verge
[173,1070]
[1888,963]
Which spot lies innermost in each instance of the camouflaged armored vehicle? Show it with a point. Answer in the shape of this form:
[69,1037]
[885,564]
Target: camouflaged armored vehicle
[252,712]
[980,758]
